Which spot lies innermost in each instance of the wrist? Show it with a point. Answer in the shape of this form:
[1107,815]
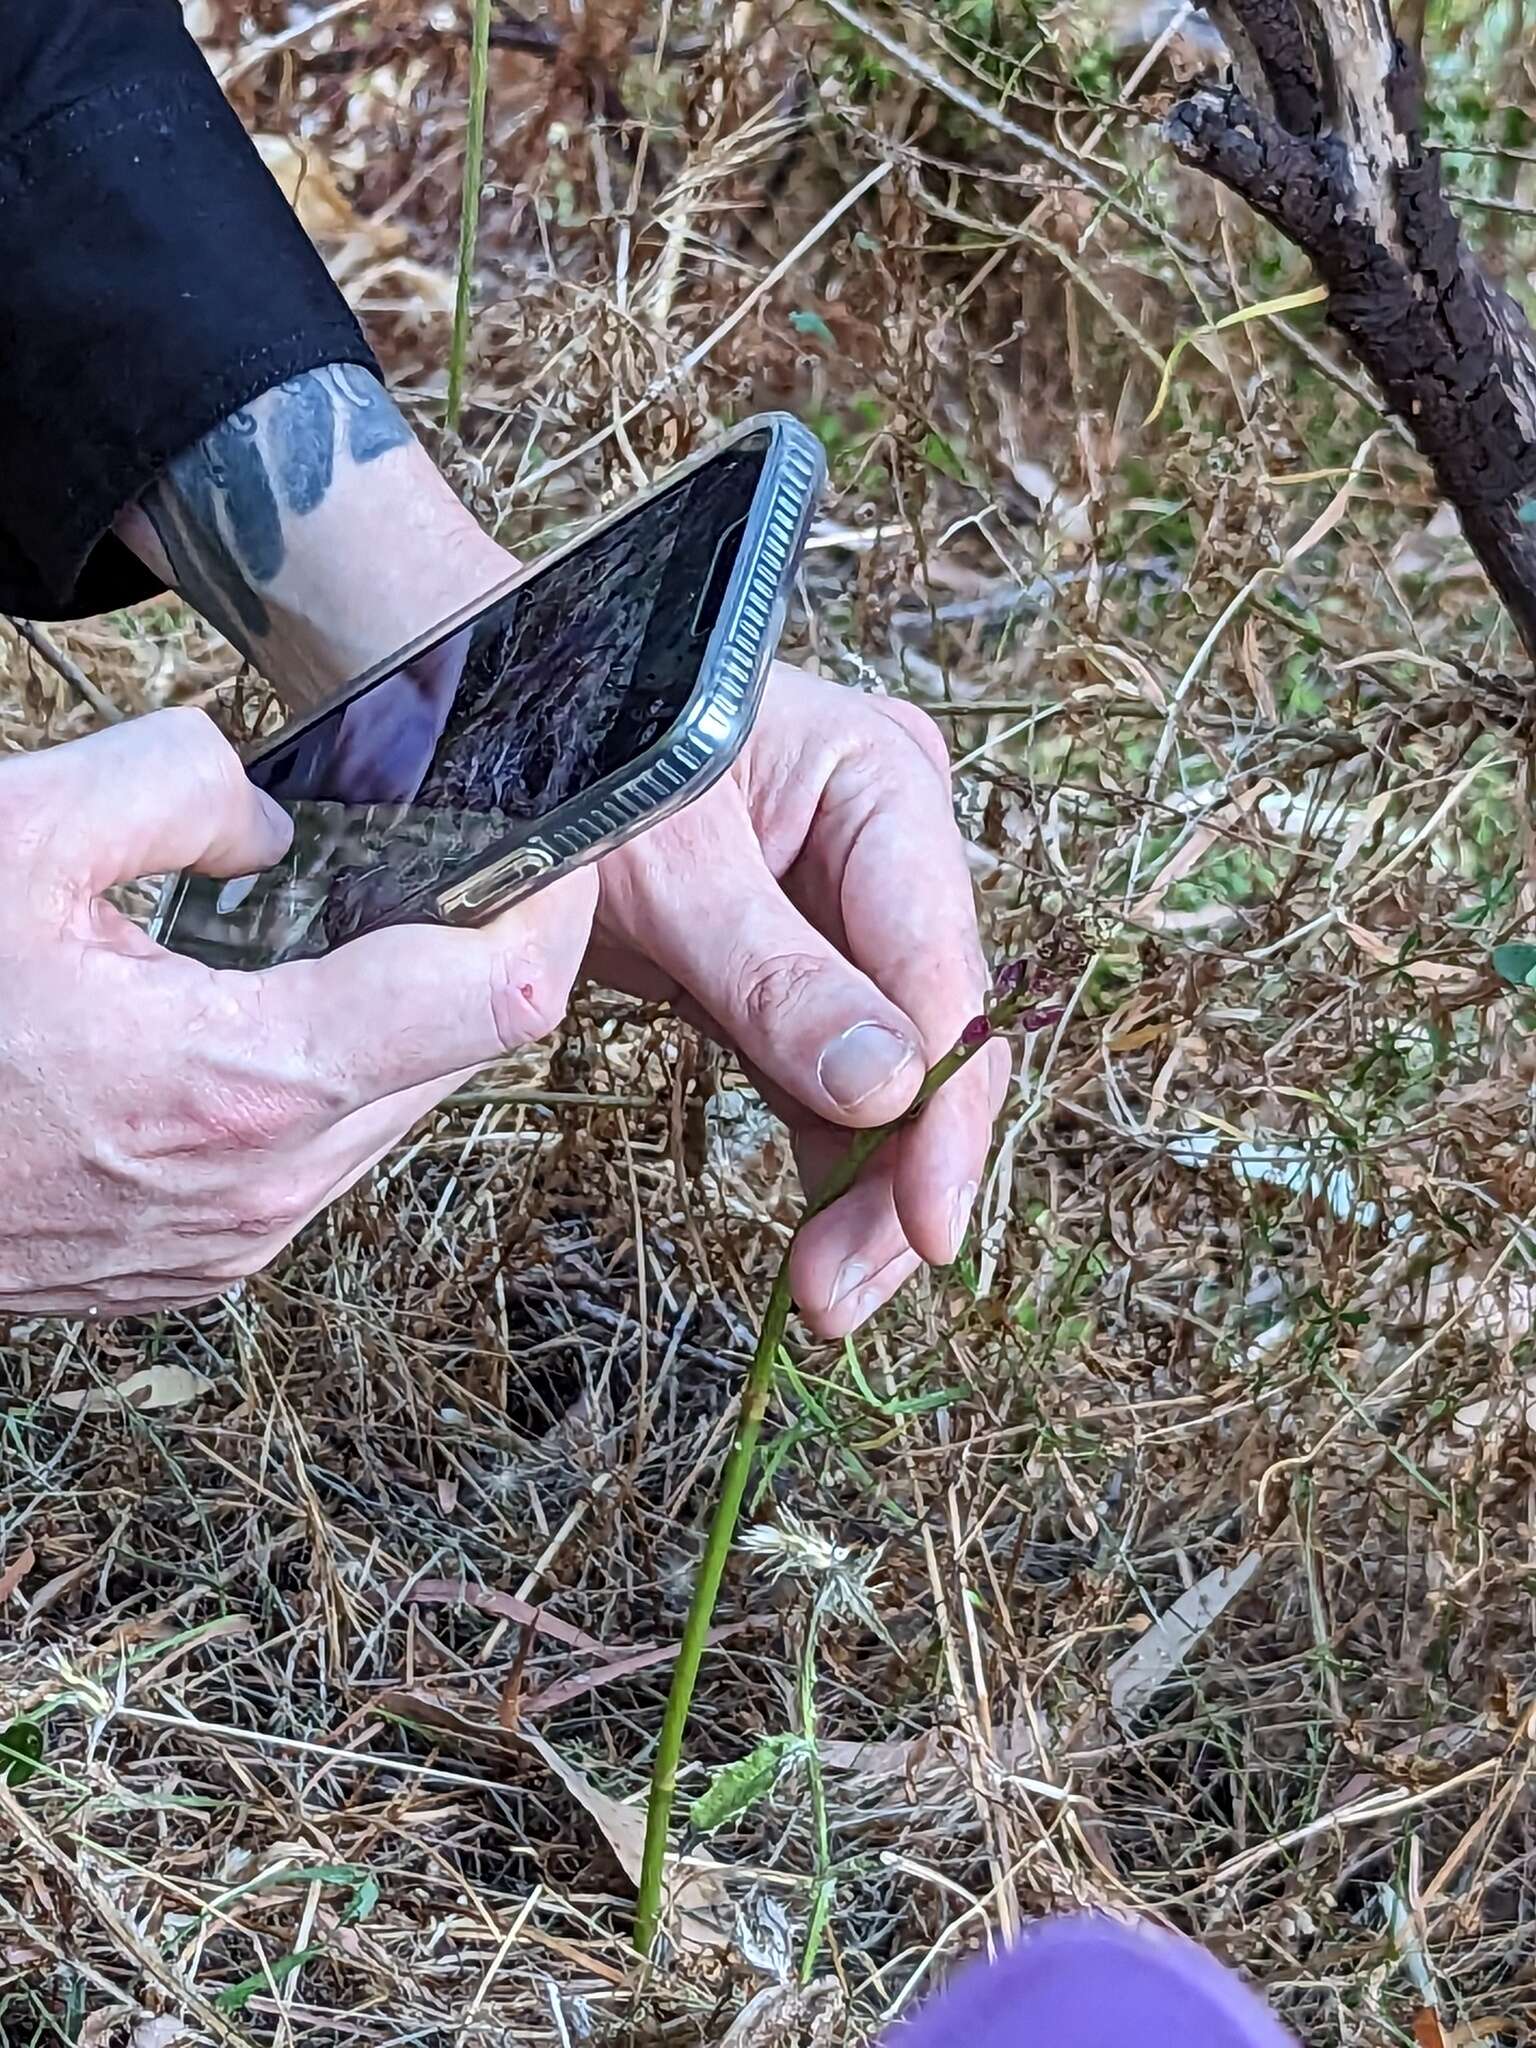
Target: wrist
[387,562]
[316,533]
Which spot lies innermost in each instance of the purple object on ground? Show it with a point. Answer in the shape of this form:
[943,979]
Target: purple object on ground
[1093,1983]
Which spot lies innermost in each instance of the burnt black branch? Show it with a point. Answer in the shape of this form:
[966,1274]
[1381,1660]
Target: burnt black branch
[1282,54]
[1451,353]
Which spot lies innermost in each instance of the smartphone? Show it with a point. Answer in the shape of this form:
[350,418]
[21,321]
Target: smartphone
[600,690]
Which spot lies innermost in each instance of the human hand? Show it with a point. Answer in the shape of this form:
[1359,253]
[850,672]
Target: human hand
[169,1127]
[814,911]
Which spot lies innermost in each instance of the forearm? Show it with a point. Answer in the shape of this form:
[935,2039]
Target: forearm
[315,532]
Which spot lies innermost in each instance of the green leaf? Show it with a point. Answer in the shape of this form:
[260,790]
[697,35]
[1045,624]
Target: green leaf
[740,1785]
[909,1404]
[813,324]
[235,1997]
[1516,963]
[1290,303]
[938,454]
[21,1751]
[364,1898]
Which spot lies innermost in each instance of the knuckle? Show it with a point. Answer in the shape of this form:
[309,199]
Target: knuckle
[206,757]
[265,1215]
[921,729]
[524,1008]
[774,986]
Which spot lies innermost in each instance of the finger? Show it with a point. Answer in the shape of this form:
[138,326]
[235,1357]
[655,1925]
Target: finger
[943,1157]
[909,921]
[905,1156]
[850,1258]
[142,798]
[418,1005]
[787,1000]
[135,1294]
[847,1261]
[847,1311]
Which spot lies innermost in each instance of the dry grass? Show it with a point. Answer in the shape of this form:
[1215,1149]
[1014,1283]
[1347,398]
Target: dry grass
[1255,1294]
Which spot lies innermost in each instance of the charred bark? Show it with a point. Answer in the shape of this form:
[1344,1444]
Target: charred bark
[1322,136]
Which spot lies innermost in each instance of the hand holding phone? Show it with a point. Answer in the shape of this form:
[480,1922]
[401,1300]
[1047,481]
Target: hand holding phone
[810,907]
[168,1129]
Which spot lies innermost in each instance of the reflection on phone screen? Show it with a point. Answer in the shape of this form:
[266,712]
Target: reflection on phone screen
[565,681]
[570,677]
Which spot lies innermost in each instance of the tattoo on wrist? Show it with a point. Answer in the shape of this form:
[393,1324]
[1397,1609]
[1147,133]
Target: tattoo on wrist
[225,511]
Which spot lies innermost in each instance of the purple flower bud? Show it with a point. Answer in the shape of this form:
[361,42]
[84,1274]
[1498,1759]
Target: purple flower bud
[977,1032]
[1041,1019]
[1009,976]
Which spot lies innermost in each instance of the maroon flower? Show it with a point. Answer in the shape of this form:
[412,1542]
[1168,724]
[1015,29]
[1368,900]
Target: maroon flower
[977,1032]
[1010,976]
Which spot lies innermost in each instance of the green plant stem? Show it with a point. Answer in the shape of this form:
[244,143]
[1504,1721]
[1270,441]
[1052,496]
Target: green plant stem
[733,1486]
[469,207]
[821,1896]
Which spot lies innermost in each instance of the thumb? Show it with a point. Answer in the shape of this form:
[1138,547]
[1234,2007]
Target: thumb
[155,793]
[416,1004]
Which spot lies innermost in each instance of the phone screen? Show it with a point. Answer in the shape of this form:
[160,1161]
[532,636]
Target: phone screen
[569,678]
[574,674]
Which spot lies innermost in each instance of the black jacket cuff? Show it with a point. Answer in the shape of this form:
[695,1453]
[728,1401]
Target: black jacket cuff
[155,280]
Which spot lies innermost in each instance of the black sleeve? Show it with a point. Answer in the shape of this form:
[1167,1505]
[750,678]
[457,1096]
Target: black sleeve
[153,279]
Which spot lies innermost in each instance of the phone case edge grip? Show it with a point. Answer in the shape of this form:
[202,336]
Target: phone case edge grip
[707,737]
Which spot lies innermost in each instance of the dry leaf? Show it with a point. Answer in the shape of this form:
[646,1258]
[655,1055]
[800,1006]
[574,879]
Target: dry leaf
[1361,826]
[564,1690]
[1154,1658]
[1219,825]
[157,1386]
[699,1909]
[15,1572]
[936,1751]
[1441,974]
[701,1916]
[1334,511]
[324,210]
[1134,1038]
[61,1583]
[505,1606]
[360,252]
[161,2032]
[429,1712]
[782,2013]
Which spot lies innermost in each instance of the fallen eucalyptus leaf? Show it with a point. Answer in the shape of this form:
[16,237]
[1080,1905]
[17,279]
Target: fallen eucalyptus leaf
[1155,1657]
[156,1386]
